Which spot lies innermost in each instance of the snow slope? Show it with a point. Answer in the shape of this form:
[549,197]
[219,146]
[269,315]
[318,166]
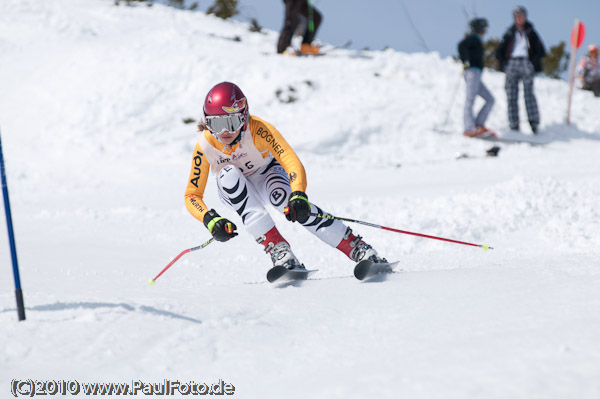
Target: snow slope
[97,155]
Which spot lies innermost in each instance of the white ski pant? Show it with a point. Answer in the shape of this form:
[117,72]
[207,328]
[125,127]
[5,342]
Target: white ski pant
[249,196]
[475,87]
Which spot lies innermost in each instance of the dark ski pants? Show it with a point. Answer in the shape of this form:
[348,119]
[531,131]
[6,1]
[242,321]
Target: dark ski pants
[516,70]
[293,10]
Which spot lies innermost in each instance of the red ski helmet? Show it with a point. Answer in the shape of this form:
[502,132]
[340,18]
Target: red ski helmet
[227,102]
[225,98]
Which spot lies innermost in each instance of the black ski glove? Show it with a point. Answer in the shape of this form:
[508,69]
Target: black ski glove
[220,228]
[298,209]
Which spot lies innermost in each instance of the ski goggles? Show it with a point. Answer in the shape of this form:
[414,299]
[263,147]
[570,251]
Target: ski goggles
[220,123]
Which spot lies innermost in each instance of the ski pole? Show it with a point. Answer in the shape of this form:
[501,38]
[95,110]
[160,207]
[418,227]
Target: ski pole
[311,20]
[454,94]
[153,280]
[322,216]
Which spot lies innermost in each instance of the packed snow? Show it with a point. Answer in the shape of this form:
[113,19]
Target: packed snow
[92,108]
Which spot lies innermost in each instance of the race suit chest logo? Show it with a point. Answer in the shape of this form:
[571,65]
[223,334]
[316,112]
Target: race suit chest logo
[231,158]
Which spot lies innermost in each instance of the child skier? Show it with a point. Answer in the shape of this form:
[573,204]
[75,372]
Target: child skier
[254,166]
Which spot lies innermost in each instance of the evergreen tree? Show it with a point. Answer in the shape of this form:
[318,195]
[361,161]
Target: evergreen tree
[224,8]
[254,26]
[489,54]
[556,61]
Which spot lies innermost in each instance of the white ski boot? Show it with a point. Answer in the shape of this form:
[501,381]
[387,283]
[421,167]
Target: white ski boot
[282,255]
[363,251]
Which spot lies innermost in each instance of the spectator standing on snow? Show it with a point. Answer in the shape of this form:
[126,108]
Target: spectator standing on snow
[471,52]
[519,55]
[294,9]
[588,71]
[255,166]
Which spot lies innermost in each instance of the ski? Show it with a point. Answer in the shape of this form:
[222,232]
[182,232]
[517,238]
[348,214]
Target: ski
[511,138]
[485,134]
[327,51]
[235,38]
[344,45]
[281,274]
[366,269]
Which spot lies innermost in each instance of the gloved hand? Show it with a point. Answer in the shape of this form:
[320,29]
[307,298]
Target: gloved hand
[220,228]
[298,209]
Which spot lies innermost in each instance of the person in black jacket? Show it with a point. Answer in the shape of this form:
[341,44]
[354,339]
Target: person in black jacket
[293,10]
[470,51]
[519,55]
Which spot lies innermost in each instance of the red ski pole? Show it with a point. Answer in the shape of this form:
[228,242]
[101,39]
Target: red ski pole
[484,246]
[153,280]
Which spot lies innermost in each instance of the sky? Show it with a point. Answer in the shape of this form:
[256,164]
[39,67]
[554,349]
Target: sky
[441,23]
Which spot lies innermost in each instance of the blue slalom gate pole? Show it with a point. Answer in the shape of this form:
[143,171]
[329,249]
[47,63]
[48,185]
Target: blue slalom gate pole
[11,239]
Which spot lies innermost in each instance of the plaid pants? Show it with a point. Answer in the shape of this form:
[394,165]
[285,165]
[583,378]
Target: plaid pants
[475,87]
[520,69]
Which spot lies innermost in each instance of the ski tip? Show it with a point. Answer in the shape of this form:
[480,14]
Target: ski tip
[367,269]
[362,269]
[275,273]
[279,274]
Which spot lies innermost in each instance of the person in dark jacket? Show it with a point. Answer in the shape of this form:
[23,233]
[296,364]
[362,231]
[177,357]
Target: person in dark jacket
[470,51]
[519,55]
[293,10]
